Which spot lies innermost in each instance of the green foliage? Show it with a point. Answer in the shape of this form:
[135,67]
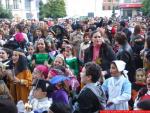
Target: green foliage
[146,7]
[4,13]
[53,9]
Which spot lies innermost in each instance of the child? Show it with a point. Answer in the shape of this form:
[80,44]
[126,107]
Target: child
[136,86]
[60,91]
[40,103]
[39,72]
[30,54]
[117,87]
[144,93]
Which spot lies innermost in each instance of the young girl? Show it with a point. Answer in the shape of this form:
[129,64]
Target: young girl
[40,103]
[117,87]
[136,86]
[60,91]
[144,93]
[20,86]
[39,72]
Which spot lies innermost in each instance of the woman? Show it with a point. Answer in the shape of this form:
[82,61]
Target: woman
[99,52]
[20,86]
[6,101]
[39,33]
[125,53]
[84,45]
[5,64]
[137,44]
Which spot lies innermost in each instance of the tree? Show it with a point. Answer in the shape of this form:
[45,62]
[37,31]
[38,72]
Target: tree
[146,8]
[4,13]
[54,9]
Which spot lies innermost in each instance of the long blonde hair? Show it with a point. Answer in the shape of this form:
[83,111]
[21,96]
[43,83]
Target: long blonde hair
[4,91]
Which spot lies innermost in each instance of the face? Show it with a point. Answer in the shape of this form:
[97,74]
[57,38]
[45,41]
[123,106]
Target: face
[86,38]
[36,74]
[15,57]
[3,55]
[97,39]
[37,93]
[113,70]
[38,33]
[58,61]
[41,45]
[140,76]
[84,78]
[26,30]
[30,50]
[50,34]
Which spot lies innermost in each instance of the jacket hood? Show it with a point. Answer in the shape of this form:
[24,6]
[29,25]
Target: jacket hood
[97,90]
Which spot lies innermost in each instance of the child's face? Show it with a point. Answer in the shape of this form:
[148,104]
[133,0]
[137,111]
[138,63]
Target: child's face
[140,77]
[58,61]
[113,70]
[36,74]
[38,93]
[30,50]
[41,45]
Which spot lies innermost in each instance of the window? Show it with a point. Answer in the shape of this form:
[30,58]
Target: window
[16,4]
[103,7]
[109,0]
[27,4]
[116,7]
[7,4]
[109,8]
[127,1]
[28,15]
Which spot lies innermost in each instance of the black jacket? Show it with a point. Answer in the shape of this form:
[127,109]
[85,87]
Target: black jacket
[106,54]
[91,99]
[125,53]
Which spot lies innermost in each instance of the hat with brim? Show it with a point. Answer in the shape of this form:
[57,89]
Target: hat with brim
[58,78]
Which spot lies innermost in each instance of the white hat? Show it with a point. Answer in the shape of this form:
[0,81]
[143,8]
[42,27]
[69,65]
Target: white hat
[120,65]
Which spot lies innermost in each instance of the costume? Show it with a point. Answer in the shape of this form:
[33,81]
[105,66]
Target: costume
[143,94]
[73,65]
[23,88]
[135,88]
[118,90]
[20,91]
[40,105]
[40,58]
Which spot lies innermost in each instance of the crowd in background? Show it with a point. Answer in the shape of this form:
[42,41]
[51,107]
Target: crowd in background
[74,66]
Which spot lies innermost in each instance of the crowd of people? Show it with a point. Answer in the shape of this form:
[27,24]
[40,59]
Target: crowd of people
[74,66]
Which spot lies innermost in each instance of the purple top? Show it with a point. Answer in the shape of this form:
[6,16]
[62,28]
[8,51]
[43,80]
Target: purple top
[60,96]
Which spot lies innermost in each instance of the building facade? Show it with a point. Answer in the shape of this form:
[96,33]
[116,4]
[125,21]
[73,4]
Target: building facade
[22,9]
[110,4]
[130,8]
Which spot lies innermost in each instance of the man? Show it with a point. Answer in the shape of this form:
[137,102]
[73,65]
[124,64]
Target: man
[91,98]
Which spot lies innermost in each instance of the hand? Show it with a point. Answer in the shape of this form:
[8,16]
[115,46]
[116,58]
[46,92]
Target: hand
[16,80]
[104,73]
[109,103]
